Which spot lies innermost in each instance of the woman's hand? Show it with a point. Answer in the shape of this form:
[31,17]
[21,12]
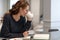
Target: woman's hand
[29,16]
[25,33]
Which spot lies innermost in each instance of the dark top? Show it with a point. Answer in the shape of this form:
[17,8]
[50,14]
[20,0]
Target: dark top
[14,29]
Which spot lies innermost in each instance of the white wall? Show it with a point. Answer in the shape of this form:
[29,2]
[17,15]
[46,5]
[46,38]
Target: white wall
[55,14]
[3,7]
[12,2]
[46,15]
[35,8]
[55,19]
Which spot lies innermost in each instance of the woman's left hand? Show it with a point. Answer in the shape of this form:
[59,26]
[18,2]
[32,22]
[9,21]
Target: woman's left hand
[25,33]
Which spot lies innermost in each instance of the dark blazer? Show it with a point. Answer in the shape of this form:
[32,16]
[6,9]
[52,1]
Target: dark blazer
[14,29]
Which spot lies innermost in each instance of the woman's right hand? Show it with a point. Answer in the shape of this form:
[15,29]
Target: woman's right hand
[29,16]
[25,33]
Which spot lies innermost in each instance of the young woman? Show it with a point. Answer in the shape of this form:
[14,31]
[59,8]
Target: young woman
[14,23]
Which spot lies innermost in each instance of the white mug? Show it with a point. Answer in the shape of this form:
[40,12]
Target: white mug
[29,14]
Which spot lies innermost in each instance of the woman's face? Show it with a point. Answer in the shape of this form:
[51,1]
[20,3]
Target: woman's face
[24,11]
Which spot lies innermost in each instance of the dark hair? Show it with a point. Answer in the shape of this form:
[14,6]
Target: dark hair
[16,7]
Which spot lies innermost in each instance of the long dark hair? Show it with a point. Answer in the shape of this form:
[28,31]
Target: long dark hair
[16,7]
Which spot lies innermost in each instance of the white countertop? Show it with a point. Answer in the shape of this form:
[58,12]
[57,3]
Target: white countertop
[41,36]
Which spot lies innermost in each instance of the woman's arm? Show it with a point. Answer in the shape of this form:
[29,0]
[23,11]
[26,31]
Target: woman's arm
[28,25]
[29,16]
